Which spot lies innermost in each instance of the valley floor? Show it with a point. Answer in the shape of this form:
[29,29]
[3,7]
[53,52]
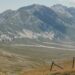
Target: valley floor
[31,60]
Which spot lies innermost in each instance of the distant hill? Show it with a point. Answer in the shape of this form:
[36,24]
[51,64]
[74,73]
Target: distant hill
[38,22]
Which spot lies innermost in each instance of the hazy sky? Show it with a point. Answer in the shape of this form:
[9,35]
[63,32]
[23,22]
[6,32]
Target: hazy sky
[15,4]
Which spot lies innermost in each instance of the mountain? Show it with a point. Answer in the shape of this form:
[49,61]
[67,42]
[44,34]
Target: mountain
[38,22]
[67,15]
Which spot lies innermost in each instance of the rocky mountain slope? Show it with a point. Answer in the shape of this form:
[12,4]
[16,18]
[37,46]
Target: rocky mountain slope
[38,21]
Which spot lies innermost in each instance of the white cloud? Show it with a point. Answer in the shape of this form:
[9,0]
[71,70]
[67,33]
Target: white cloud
[70,3]
[73,1]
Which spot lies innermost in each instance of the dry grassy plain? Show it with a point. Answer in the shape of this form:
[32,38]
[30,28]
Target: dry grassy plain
[67,70]
[17,60]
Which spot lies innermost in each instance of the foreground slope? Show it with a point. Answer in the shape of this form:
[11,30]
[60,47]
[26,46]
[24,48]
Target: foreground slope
[67,69]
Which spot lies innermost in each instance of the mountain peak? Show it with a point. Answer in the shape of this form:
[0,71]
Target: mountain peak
[33,6]
[58,6]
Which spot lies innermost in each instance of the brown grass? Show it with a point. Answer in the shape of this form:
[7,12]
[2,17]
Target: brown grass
[67,70]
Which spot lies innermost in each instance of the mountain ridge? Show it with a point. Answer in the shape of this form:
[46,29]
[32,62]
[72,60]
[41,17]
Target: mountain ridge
[38,21]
